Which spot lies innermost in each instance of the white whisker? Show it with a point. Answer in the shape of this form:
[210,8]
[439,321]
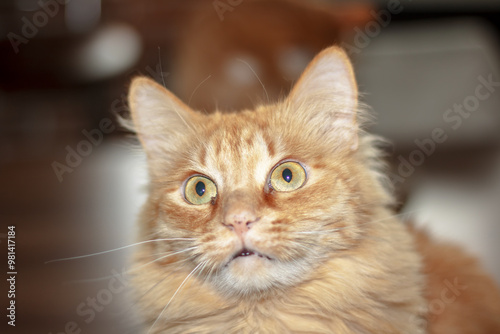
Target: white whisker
[375,221]
[312,232]
[115,249]
[199,85]
[161,68]
[210,272]
[175,293]
[251,69]
[162,257]
[90,280]
[352,226]
[153,287]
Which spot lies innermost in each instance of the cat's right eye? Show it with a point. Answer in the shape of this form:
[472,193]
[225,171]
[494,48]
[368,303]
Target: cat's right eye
[199,190]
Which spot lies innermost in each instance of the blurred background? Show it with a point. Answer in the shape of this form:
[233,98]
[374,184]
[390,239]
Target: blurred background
[71,185]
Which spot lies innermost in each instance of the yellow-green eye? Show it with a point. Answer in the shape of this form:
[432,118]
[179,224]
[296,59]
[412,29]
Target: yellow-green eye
[288,176]
[199,190]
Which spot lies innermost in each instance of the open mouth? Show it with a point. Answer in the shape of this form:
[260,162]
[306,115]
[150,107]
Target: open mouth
[245,252]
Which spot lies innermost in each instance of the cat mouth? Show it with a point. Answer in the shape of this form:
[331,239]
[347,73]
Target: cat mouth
[246,252]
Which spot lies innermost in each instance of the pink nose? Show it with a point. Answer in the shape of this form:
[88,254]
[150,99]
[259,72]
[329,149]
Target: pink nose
[239,211]
[239,220]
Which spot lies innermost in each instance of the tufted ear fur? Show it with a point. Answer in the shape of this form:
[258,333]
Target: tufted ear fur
[160,120]
[326,96]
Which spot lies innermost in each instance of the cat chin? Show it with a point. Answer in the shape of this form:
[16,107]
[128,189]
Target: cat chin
[257,275]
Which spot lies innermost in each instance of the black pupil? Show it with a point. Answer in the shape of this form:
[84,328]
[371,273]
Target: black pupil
[287,175]
[200,188]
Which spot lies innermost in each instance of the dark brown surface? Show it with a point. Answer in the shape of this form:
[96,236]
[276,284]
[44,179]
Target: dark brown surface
[52,220]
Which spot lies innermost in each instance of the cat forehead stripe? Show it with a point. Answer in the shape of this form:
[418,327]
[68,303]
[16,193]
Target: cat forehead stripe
[244,160]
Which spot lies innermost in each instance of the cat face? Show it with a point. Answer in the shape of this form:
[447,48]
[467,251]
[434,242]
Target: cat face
[257,199]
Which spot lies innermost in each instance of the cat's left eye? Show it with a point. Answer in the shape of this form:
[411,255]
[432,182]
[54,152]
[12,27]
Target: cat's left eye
[199,190]
[288,176]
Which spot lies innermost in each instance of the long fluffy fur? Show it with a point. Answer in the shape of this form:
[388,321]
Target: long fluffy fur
[342,261]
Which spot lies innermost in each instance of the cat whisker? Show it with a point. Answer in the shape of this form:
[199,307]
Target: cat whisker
[311,232]
[302,245]
[196,89]
[116,249]
[376,221]
[161,68]
[161,253]
[202,269]
[260,81]
[210,271]
[162,257]
[133,269]
[352,226]
[153,287]
[175,293]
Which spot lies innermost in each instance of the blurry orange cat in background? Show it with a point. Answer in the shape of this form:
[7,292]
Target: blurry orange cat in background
[278,220]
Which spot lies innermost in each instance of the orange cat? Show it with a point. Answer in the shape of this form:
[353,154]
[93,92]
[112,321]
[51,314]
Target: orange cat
[278,220]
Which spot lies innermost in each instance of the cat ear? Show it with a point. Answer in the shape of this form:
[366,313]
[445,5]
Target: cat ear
[159,118]
[327,96]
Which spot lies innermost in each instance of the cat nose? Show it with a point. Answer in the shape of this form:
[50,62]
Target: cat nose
[239,212]
[240,221]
